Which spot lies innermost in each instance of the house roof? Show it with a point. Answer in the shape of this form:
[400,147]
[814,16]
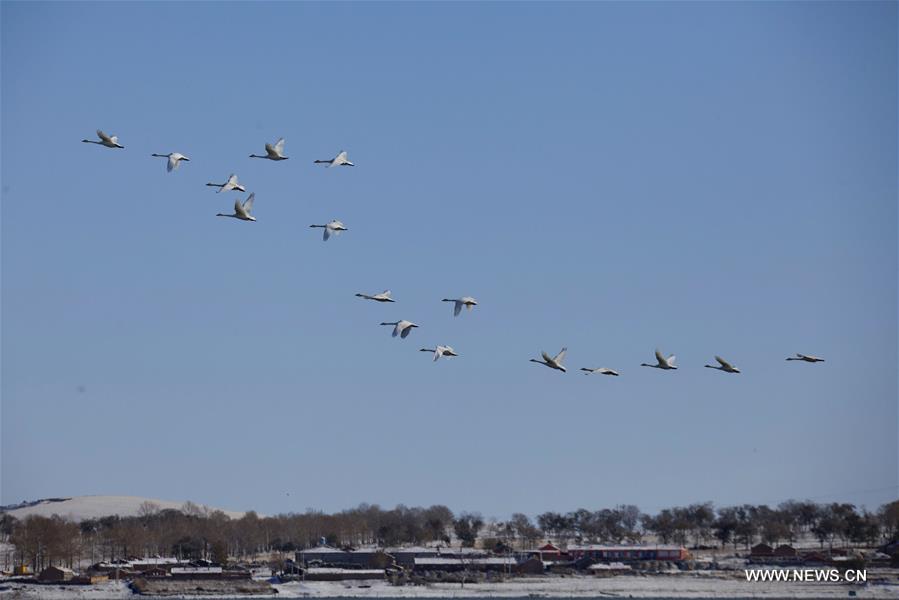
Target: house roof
[63,569]
[624,547]
[324,550]
[449,551]
[424,561]
[336,571]
[180,570]
[167,560]
[549,548]
[406,553]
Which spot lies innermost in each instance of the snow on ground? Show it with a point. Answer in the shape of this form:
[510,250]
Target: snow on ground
[684,586]
[671,587]
[110,590]
[94,507]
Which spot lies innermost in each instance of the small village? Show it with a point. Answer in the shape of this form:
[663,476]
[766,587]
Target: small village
[121,547]
[439,568]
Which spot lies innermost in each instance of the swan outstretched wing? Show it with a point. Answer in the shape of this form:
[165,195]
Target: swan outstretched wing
[171,163]
[660,358]
[279,146]
[457,308]
[248,203]
[104,137]
[560,356]
[406,332]
[723,362]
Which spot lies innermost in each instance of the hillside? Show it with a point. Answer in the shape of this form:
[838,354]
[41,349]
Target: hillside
[80,508]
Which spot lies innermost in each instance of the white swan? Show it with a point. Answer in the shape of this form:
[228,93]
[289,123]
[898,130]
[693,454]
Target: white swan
[338,161]
[175,159]
[666,364]
[724,366]
[275,152]
[229,185]
[382,297]
[332,228]
[554,362]
[466,301]
[402,328]
[110,141]
[242,211]
[806,358]
[441,351]
[600,371]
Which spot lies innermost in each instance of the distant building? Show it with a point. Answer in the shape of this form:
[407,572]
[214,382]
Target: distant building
[55,575]
[123,574]
[208,573]
[550,553]
[89,579]
[814,557]
[620,553]
[786,554]
[363,558]
[335,574]
[531,566]
[327,556]
[405,557]
[465,564]
[143,564]
[783,554]
[323,554]
[165,562]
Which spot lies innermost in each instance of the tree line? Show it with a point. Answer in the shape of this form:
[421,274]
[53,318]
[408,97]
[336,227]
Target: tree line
[195,532]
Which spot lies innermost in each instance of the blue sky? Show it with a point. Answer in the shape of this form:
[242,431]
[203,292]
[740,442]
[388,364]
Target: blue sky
[710,178]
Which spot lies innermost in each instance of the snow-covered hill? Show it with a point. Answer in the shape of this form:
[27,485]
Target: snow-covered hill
[92,507]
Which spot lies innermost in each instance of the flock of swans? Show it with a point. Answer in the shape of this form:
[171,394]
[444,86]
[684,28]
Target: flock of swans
[241,208]
[402,328]
[662,362]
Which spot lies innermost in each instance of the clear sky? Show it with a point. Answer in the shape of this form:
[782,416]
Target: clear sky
[710,178]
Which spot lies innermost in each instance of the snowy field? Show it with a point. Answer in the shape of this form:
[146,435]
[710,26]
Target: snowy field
[688,586]
[110,590]
[683,586]
[79,508]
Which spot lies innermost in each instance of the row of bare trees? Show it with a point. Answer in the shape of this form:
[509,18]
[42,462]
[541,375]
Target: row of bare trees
[790,521]
[195,532]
